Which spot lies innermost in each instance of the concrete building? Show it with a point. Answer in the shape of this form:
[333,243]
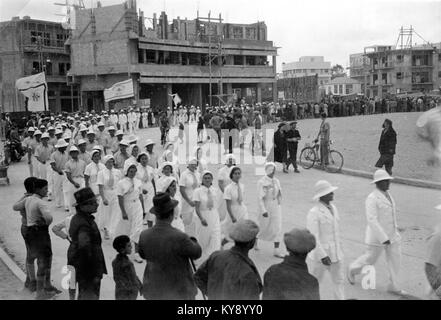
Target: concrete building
[112,44]
[309,66]
[359,68]
[343,86]
[390,70]
[29,46]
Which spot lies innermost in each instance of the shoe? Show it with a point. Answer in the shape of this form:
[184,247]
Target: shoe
[137,258]
[51,289]
[296,171]
[350,276]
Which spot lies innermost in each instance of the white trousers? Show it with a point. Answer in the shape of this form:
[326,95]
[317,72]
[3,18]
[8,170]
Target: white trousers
[336,270]
[108,215]
[371,256]
[145,123]
[69,192]
[58,193]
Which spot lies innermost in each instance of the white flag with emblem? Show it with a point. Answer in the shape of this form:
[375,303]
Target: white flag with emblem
[176,99]
[35,89]
[120,90]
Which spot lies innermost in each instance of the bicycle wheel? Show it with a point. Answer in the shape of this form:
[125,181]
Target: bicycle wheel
[336,161]
[307,158]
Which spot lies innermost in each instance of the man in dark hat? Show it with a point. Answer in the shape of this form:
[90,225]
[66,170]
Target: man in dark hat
[292,140]
[280,146]
[168,251]
[388,142]
[291,280]
[231,274]
[85,253]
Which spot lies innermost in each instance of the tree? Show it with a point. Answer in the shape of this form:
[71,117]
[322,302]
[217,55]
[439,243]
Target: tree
[337,71]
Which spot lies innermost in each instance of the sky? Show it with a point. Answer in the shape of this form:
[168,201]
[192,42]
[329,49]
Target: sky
[330,28]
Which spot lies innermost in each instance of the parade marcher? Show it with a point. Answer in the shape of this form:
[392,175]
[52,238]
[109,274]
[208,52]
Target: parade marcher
[91,141]
[168,252]
[121,156]
[133,152]
[28,144]
[153,158]
[188,183]
[110,140]
[280,147]
[129,191]
[58,161]
[388,142]
[85,253]
[101,136]
[202,163]
[114,118]
[115,144]
[42,154]
[224,180]
[208,231]
[31,281]
[269,193]
[74,181]
[323,222]
[38,217]
[92,170]
[236,209]
[170,186]
[84,155]
[108,210]
[290,279]
[122,121]
[145,123]
[127,284]
[231,274]
[146,175]
[292,139]
[166,170]
[381,233]
[432,265]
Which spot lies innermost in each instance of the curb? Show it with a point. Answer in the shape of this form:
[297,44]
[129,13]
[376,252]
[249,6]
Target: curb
[15,269]
[400,180]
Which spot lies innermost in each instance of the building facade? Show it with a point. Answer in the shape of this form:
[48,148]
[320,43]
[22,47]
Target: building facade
[309,66]
[358,70]
[343,86]
[27,47]
[388,70]
[112,44]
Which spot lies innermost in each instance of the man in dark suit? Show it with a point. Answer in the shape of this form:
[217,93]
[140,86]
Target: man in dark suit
[387,145]
[168,251]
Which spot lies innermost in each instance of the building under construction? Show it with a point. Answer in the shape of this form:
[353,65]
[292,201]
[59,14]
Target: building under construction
[204,61]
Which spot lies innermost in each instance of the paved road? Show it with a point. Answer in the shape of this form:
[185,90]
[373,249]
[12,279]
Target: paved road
[416,217]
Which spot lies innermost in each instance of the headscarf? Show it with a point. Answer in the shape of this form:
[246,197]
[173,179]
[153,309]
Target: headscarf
[165,154]
[165,164]
[142,154]
[130,149]
[230,157]
[107,158]
[268,167]
[167,181]
[127,166]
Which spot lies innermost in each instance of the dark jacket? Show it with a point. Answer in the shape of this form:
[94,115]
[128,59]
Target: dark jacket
[85,252]
[280,147]
[168,274]
[290,280]
[388,141]
[229,275]
[127,284]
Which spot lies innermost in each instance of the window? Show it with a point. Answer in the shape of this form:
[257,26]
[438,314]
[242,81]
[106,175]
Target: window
[49,68]
[250,61]
[151,56]
[61,69]
[238,60]
[237,33]
[340,89]
[349,88]
[384,78]
[250,33]
[36,67]
[399,75]
[399,58]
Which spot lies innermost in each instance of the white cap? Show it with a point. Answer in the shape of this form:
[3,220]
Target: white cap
[81,141]
[45,136]
[119,133]
[101,124]
[61,144]
[90,131]
[58,131]
[322,188]
[124,142]
[149,142]
[38,132]
[73,148]
[67,135]
[111,128]
[31,129]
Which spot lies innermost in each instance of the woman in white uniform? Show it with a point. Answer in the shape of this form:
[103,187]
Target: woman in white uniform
[208,231]
[146,175]
[133,152]
[234,197]
[202,163]
[109,213]
[269,194]
[129,191]
[166,170]
[223,180]
[189,182]
[170,186]
[169,156]
[91,172]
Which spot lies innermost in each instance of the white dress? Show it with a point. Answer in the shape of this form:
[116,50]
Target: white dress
[239,210]
[146,175]
[109,216]
[268,191]
[130,189]
[190,181]
[92,170]
[209,237]
[177,221]
[223,175]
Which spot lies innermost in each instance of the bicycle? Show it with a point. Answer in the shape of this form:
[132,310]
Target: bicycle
[310,155]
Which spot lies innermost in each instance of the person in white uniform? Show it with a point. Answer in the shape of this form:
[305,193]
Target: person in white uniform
[381,233]
[166,170]
[74,181]
[202,163]
[208,231]
[323,222]
[269,217]
[91,172]
[58,160]
[234,197]
[42,154]
[223,180]
[189,182]
[146,175]
[133,152]
[170,187]
[129,191]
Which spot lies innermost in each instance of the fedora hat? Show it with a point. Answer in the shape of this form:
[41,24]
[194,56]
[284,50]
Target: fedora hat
[381,175]
[61,144]
[162,202]
[83,195]
[322,188]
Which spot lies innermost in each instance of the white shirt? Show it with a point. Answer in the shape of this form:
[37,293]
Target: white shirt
[104,177]
[129,189]
[92,170]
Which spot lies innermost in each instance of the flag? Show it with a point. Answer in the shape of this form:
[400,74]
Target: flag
[176,98]
[35,89]
[120,90]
